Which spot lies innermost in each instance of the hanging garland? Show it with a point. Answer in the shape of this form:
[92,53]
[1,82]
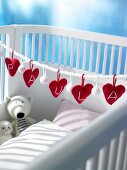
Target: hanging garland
[30,75]
[80,92]
[12,64]
[57,86]
[113,92]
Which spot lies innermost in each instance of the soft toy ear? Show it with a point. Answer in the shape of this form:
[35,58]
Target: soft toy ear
[8,99]
[30,98]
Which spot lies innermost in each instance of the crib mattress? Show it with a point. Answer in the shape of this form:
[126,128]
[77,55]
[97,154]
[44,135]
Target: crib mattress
[37,139]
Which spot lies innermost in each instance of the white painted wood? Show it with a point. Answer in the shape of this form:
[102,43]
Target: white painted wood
[2,80]
[60,50]
[92,163]
[9,31]
[33,46]
[72,52]
[26,44]
[40,48]
[113,154]
[98,58]
[53,49]
[18,41]
[78,54]
[47,47]
[119,60]
[125,69]
[78,34]
[125,158]
[121,150]
[103,158]
[66,51]
[105,59]
[84,55]
[91,56]
[112,60]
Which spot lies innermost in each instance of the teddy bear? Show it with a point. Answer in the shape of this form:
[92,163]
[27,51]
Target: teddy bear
[5,131]
[19,108]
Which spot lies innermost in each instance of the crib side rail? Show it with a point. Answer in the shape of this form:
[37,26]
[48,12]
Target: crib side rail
[89,51]
[73,33]
[6,37]
[75,150]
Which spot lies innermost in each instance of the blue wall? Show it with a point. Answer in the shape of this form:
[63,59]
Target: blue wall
[106,16]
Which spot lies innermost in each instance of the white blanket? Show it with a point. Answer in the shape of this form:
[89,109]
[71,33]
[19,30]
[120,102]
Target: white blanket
[37,139]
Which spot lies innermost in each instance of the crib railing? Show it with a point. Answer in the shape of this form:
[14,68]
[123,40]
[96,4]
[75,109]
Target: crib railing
[92,148]
[6,37]
[89,51]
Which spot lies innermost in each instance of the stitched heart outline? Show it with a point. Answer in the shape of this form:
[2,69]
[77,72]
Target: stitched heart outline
[30,75]
[81,92]
[12,64]
[57,86]
[112,92]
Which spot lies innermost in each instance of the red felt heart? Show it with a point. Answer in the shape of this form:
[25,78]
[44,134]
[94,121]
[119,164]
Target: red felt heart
[80,92]
[112,93]
[57,86]
[12,65]
[30,76]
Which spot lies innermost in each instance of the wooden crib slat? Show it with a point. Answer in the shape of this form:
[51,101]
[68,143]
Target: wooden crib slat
[125,158]
[92,163]
[84,56]
[40,48]
[78,54]
[103,158]
[112,60]
[2,74]
[26,45]
[112,154]
[33,46]
[60,50]
[119,60]
[98,58]
[72,52]
[121,150]
[125,69]
[20,46]
[91,56]
[53,49]
[65,51]
[47,47]
[105,59]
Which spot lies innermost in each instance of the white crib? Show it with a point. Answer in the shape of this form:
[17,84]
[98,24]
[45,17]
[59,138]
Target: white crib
[103,144]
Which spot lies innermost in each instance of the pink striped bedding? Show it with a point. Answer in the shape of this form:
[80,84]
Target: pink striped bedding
[74,117]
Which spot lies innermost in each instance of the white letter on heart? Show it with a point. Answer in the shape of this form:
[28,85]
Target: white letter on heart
[10,66]
[32,78]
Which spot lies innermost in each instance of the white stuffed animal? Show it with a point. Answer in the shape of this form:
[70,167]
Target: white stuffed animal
[19,108]
[5,131]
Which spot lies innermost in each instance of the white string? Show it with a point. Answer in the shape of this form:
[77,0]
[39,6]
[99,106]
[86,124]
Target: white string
[61,71]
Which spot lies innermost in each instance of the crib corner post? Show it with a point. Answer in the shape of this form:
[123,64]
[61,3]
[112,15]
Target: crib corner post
[10,37]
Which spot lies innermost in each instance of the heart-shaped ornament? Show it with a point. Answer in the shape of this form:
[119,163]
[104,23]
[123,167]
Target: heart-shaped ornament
[57,86]
[111,92]
[30,75]
[12,65]
[81,92]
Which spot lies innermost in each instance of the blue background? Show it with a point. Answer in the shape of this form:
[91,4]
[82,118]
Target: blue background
[105,16]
